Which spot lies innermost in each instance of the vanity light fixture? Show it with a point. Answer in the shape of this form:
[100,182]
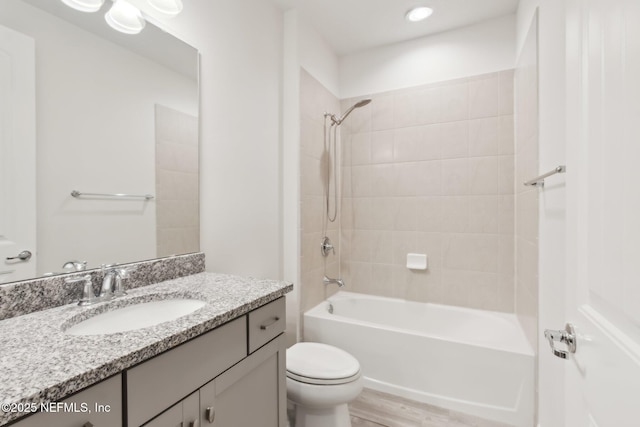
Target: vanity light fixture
[419,13]
[168,7]
[125,17]
[84,5]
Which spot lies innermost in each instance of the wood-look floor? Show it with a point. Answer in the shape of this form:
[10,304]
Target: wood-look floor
[376,409]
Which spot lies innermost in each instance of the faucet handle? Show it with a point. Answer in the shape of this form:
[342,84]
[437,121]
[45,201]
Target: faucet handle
[74,265]
[88,296]
[105,267]
[125,271]
[121,273]
[118,287]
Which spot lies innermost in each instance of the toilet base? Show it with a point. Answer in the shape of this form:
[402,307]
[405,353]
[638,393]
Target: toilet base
[335,416]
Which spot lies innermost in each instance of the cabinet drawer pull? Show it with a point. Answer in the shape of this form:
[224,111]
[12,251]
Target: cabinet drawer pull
[268,325]
[210,413]
[87,424]
[194,423]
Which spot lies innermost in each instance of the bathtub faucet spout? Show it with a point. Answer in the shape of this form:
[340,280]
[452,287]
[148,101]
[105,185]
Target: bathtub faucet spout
[328,281]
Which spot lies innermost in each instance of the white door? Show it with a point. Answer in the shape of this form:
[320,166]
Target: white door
[603,213]
[17,156]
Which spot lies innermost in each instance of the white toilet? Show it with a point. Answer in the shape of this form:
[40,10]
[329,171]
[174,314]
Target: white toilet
[321,380]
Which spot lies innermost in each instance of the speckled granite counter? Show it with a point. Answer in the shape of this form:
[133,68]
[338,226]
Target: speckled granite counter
[40,363]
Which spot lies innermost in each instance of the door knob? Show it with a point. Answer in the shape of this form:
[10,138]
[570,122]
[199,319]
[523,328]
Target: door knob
[567,336]
[22,256]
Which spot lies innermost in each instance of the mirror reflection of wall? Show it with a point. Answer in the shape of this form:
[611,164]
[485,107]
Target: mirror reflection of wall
[96,132]
[177,207]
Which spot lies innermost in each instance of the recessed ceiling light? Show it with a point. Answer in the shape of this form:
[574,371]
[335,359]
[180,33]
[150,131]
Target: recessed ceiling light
[418,14]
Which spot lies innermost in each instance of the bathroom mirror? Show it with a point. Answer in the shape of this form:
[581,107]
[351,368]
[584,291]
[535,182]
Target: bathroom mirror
[114,114]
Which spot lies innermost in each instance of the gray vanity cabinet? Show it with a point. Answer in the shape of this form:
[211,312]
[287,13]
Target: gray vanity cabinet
[71,413]
[237,371]
[160,382]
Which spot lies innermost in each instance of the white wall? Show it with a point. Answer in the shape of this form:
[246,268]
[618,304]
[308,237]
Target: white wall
[82,144]
[241,46]
[482,48]
[291,173]
[551,60]
[316,56]
[303,48]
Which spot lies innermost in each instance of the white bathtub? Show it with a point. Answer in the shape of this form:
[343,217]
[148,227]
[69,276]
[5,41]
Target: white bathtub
[472,361]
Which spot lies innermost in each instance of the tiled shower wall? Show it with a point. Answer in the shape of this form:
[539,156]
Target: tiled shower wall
[315,100]
[430,170]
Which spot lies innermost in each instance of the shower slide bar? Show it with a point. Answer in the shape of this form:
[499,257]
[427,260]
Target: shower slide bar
[539,181]
[77,194]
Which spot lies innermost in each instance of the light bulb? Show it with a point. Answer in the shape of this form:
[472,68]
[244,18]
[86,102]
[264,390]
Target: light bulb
[84,5]
[125,17]
[168,7]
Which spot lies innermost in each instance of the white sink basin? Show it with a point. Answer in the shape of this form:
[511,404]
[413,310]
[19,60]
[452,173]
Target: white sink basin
[135,316]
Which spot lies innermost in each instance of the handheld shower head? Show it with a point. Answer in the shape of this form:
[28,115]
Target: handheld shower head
[361,103]
[331,217]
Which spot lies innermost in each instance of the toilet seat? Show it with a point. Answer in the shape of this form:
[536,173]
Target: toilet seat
[321,364]
[320,381]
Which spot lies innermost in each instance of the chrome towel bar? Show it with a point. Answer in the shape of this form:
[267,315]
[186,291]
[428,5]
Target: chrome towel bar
[76,194]
[539,181]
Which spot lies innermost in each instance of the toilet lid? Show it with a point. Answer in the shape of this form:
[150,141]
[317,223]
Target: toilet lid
[317,363]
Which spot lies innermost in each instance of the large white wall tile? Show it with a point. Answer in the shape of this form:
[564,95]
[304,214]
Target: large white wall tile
[484,96]
[430,179]
[453,139]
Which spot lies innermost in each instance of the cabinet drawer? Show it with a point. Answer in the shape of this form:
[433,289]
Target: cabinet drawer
[266,323]
[104,400]
[158,383]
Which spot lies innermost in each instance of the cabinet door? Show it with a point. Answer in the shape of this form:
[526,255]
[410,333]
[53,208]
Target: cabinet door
[182,414]
[99,406]
[250,394]
[191,410]
[172,417]
[160,382]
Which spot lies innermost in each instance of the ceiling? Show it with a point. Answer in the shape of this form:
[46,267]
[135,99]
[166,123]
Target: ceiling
[353,25]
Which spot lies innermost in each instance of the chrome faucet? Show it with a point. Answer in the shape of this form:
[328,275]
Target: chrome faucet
[112,286]
[327,281]
[112,283]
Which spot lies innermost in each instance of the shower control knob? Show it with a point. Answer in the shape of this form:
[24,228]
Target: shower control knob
[326,246]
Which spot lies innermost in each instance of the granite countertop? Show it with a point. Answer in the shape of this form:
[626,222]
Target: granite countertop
[40,363]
